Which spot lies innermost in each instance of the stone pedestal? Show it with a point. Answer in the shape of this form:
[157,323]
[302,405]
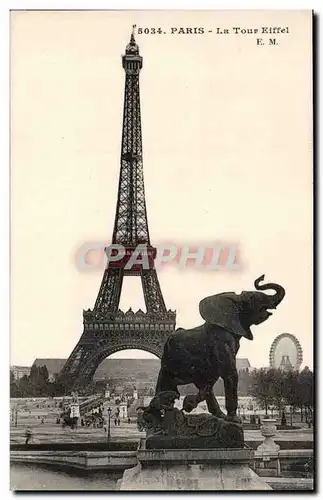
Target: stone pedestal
[268,430]
[179,430]
[192,470]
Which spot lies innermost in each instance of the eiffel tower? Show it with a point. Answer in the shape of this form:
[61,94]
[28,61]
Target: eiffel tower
[106,328]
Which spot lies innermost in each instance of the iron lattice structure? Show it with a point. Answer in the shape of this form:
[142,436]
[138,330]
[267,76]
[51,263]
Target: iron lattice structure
[106,328]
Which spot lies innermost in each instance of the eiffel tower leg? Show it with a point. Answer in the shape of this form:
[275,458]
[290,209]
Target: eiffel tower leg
[83,362]
[152,293]
[71,371]
[87,368]
[109,294]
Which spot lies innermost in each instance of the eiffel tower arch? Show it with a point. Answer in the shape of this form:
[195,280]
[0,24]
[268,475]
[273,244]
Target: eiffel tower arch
[102,338]
[107,329]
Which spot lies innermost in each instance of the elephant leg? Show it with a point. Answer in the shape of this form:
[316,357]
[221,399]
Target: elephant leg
[192,400]
[165,383]
[213,405]
[231,396]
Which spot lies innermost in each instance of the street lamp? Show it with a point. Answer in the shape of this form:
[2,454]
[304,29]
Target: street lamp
[109,425]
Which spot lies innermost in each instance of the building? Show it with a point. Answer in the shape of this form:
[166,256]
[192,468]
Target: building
[141,372]
[20,371]
[243,364]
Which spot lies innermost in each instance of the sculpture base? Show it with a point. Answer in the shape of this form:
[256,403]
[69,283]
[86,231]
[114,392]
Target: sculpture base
[189,470]
[155,442]
[178,430]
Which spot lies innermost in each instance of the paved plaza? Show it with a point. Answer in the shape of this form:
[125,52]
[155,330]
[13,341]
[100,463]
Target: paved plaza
[30,414]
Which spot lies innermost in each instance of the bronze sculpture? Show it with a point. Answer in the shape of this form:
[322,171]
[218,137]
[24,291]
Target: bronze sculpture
[203,354]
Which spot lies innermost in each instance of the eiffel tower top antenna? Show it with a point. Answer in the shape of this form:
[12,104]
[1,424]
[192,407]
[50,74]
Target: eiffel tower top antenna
[132,47]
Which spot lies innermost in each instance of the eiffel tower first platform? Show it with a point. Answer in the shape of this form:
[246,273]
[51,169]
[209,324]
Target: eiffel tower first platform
[106,328]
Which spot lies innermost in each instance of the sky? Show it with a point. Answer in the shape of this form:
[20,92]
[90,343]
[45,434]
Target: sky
[227,141]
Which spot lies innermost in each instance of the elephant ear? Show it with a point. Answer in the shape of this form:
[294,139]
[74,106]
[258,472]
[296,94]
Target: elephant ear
[225,310]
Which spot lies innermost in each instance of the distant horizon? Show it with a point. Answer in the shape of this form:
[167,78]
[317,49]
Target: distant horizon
[146,356]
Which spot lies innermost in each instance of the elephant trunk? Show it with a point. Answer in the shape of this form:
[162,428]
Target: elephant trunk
[280,291]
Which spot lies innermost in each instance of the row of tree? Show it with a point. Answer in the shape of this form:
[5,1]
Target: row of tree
[37,384]
[270,387]
[278,388]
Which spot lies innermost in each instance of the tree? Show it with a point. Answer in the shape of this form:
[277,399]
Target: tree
[278,388]
[262,387]
[38,380]
[15,391]
[299,390]
[291,391]
[43,374]
[34,373]
[306,391]
[25,387]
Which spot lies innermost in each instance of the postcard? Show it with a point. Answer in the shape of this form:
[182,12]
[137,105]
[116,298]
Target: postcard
[161,250]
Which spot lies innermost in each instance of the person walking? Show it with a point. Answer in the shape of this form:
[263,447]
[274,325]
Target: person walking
[28,435]
[283,419]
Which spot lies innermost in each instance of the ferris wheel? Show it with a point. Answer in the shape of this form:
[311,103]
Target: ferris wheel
[286,352]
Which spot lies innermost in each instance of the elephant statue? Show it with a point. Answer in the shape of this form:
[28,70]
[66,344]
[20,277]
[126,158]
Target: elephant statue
[203,354]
